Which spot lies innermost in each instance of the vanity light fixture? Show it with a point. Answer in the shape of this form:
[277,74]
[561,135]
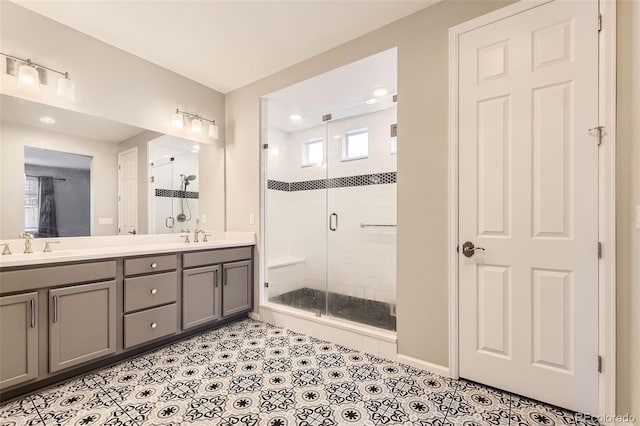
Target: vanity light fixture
[196,126]
[31,75]
[177,119]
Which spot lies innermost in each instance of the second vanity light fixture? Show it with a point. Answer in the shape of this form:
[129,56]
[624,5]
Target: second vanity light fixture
[31,76]
[177,120]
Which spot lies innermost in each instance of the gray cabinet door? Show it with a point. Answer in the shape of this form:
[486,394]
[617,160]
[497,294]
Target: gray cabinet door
[18,339]
[82,324]
[236,290]
[200,296]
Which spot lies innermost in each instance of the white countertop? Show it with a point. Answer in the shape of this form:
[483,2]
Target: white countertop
[91,248]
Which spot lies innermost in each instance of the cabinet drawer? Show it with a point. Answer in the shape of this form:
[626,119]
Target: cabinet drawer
[212,257]
[145,265]
[149,290]
[51,276]
[148,325]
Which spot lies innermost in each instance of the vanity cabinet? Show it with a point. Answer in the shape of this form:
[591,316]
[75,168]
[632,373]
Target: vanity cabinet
[62,319]
[18,339]
[215,284]
[82,324]
[200,296]
[236,287]
[150,299]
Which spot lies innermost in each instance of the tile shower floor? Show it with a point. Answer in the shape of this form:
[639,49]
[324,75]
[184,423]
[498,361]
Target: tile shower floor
[249,373]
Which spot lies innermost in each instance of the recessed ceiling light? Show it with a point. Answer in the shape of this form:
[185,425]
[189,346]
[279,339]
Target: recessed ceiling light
[48,120]
[295,117]
[380,91]
[371,101]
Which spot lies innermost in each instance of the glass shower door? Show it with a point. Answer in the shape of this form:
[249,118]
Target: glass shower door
[296,219]
[361,203]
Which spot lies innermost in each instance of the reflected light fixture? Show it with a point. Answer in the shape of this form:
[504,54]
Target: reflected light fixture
[31,76]
[177,120]
[48,120]
[371,101]
[295,117]
[380,91]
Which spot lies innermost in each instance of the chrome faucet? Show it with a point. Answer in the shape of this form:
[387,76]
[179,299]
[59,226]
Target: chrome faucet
[6,250]
[27,237]
[47,246]
[197,231]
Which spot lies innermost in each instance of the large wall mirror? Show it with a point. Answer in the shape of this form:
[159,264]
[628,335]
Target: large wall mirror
[67,174]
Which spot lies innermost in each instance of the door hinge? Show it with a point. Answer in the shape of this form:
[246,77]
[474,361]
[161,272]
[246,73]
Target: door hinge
[152,179]
[599,364]
[597,131]
[119,167]
[266,285]
[265,146]
[599,22]
[599,250]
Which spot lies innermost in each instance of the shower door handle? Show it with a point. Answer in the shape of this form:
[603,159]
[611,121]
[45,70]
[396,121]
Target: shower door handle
[166,222]
[333,227]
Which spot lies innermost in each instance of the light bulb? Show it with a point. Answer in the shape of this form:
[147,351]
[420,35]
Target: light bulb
[177,121]
[28,77]
[66,88]
[196,126]
[213,131]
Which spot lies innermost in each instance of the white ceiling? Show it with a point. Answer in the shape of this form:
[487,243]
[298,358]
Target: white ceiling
[22,111]
[49,158]
[225,44]
[342,92]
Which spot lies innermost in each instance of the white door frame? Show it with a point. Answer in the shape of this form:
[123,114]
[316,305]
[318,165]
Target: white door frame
[120,155]
[606,196]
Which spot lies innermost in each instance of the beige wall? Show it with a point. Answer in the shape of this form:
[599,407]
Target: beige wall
[628,197]
[422,173]
[422,41]
[104,179]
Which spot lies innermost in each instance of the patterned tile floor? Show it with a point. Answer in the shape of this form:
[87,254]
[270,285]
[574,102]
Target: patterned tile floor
[249,373]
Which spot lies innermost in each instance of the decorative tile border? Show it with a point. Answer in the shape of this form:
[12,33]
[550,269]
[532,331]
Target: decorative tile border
[175,193]
[340,182]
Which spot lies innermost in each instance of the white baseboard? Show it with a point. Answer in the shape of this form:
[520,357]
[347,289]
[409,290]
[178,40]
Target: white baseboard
[254,316]
[440,370]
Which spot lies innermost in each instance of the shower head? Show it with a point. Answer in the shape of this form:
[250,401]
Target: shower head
[191,177]
[188,178]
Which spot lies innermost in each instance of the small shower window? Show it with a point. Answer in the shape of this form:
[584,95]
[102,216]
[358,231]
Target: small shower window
[31,203]
[312,152]
[355,145]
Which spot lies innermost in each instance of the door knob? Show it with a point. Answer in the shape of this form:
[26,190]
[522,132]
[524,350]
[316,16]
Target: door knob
[468,249]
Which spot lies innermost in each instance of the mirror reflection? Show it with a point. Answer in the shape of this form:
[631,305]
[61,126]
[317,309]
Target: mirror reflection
[64,173]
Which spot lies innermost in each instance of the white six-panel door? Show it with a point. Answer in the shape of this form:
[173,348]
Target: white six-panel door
[528,170]
[128,191]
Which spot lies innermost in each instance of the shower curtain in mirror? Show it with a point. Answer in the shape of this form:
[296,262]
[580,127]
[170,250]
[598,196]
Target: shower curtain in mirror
[48,226]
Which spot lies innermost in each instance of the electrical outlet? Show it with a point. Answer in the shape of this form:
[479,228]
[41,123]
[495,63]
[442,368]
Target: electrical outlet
[203,219]
[252,219]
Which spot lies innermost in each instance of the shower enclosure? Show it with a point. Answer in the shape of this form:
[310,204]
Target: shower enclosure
[330,217]
[173,191]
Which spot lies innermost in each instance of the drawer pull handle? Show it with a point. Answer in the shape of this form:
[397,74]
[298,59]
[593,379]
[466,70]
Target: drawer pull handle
[154,291]
[154,265]
[33,313]
[154,325]
[55,309]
